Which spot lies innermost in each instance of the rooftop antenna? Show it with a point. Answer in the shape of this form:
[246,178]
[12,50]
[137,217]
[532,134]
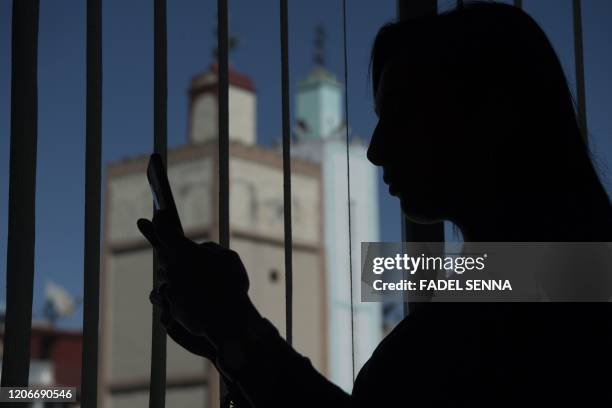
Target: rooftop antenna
[232,44]
[319,45]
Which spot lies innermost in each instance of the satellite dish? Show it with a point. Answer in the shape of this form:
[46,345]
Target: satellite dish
[58,302]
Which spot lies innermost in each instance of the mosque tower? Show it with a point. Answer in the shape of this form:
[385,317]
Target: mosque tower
[320,132]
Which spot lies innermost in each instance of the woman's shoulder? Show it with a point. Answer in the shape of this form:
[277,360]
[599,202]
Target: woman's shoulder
[426,350]
[472,326]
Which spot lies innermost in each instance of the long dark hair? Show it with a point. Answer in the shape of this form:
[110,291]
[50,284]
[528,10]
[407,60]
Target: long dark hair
[499,63]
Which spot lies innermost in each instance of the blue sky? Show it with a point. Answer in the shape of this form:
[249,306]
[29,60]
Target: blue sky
[128,105]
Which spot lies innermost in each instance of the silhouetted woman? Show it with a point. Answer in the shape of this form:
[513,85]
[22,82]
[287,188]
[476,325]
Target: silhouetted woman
[476,126]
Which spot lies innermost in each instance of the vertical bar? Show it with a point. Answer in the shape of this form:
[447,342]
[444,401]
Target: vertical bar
[22,194]
[579,64]
[348,187]
[160,78]
[404,228]
[413,232]
[415,8]
[223,109]
[284,35]
[93,162]
[157,390]
[223,90]
[518,3]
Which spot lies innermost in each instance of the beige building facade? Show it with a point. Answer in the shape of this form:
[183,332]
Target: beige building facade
[256,223]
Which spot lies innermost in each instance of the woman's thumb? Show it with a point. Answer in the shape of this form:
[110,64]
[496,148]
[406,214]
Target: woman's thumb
[167,231]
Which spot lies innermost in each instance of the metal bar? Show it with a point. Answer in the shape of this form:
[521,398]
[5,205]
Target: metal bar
[284,36]
[223,100]
[223,112]
[93,163]
[22,194]
[579,65]
[157,390]
[348,187]
[415,8]
[413,232]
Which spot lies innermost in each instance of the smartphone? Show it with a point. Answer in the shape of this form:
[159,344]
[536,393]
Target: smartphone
[160,188]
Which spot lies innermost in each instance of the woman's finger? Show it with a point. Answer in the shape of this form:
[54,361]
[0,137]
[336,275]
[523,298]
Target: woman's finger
[167,232]
[147,229]
[162,275]
[166,320]
[155,298]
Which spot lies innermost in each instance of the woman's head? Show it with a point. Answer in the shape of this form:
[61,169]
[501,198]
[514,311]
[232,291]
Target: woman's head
[474,113]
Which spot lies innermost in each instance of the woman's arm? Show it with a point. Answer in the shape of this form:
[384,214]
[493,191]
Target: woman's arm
[271,373]
[260,368]
[203,293]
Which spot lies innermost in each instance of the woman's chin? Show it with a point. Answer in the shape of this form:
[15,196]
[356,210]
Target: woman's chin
[419,212]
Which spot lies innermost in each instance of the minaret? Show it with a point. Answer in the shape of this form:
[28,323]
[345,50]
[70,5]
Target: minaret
[319,98]
[321,137]
[203,106]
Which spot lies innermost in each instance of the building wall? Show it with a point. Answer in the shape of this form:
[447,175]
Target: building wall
[257,223]
[261,260]
[365,228]
[242,109]
[129,352]
[367,317]
[130,198]
[319,105]
[256,201]
[256,217]
[55,355]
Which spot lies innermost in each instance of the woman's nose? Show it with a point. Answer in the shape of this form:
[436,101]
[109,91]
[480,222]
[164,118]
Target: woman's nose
[374,150]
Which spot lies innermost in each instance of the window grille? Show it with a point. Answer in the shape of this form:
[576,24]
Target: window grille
[22,177]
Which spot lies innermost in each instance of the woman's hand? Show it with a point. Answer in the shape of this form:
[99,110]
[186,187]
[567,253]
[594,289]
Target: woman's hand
[198,345]
[205,285]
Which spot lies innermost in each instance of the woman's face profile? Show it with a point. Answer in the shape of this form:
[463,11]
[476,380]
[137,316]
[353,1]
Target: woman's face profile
[410,143]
